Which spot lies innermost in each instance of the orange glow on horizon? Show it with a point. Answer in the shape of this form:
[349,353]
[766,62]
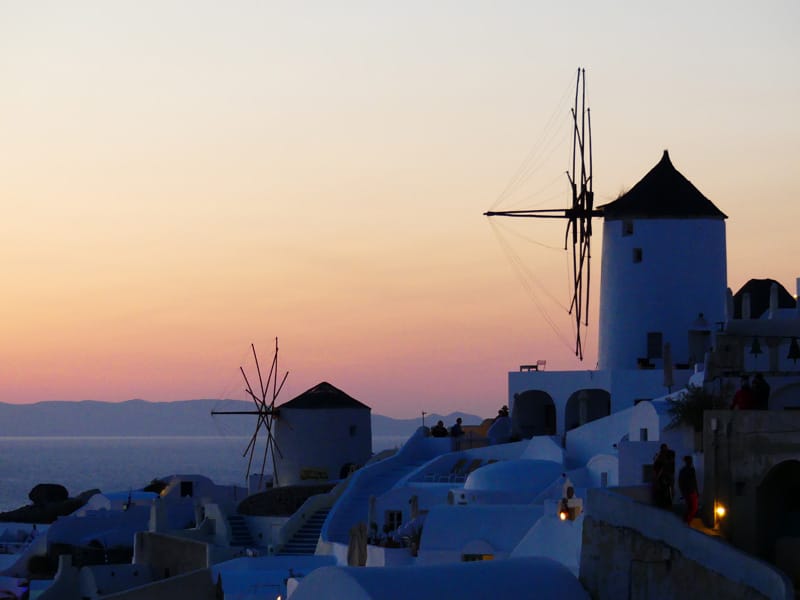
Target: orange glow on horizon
[177,188]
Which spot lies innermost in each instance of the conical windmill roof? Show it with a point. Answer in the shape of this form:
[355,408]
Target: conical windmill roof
[662,194]
[322,396]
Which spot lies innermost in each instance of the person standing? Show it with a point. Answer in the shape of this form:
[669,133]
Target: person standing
[663,476]
[760,389]
[439,430]
[743,399]
[456,432]
[687,482]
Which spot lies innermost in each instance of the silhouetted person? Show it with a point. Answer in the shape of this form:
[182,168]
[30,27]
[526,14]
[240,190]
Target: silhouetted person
[502,413]
[687,483]
[663,476]
[456,433]
[760,389]
[744,399]
[439,430]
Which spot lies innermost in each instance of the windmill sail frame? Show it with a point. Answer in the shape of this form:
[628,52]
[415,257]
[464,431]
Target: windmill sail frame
[266,414]
[579,214]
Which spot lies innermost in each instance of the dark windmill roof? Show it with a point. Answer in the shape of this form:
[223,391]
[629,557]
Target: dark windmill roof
[662,194]
[759,297]
[323,395]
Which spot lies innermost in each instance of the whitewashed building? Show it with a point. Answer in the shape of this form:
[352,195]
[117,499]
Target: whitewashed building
[664,284]
[321,434]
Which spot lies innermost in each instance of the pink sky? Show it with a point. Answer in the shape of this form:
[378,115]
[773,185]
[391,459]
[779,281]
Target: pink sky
[180,179]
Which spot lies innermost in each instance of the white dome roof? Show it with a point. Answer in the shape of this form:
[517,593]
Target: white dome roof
[516,475]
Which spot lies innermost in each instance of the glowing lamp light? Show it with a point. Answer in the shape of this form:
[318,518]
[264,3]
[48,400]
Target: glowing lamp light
[720,510]
[562,515]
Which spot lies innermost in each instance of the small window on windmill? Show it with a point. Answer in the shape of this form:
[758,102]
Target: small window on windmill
[643,434]
[627,227]
[352,431]
[187,489]
[637,255]
[604,479]
[655,344]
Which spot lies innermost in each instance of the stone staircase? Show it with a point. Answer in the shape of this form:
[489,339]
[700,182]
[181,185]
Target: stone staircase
[240,534]
[305,539]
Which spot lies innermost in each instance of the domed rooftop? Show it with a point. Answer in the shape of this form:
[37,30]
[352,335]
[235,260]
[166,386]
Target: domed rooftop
[662,194]
[515,475]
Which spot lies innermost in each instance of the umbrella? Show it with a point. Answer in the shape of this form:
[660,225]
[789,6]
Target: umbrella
[669,380]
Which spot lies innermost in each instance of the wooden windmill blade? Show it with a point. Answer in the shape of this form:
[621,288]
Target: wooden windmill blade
[272,444]
[578,215]
[251,445]
[265,413]
[264,416]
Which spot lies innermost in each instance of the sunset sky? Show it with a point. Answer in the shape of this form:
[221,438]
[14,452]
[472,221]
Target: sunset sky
[179,179]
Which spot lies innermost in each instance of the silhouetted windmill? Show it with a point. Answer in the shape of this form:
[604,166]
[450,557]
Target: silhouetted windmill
[579,214]
[266,413]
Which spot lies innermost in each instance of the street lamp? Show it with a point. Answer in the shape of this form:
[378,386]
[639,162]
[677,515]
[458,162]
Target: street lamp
[719,513]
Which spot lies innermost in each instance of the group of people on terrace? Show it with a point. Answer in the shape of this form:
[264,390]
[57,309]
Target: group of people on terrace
[498,432]
[439,430]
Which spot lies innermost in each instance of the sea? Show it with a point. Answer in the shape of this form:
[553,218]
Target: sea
[120,464]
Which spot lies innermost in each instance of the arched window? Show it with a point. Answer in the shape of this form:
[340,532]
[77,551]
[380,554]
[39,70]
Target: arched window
[584,406]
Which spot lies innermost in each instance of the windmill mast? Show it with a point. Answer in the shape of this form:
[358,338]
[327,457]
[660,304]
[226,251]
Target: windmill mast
[265,412]
[580,212]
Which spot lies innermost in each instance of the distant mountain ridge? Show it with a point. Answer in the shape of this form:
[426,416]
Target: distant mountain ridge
[89,418]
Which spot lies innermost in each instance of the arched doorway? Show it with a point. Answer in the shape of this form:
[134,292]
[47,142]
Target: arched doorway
[584,406]
[778,508]
[533,413]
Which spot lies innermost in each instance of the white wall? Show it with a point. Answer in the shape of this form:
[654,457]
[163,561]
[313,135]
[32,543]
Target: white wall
[321,439]
[632,456]
[449,530]
[683,272]
[597,437]
[625,386]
